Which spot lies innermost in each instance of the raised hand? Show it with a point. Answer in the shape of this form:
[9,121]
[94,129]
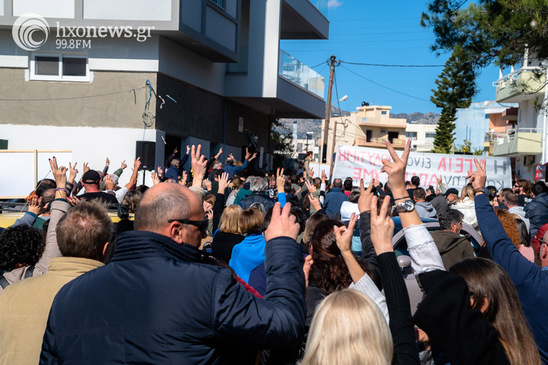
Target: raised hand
[282,223]
[207,184]
[35,205]
[253,157]
[124,165]
[137,163]
[323,177]
[315,202]
[396,169]
[187,149]
[382,226]
[86,167]
[247,154]
[478,177]
[155,178]
[311,188]
[219,153]
[198,163]
[109,183]
[280,180]
[72,173]
[343,235]
[223,182]
[364,202]
[107,162]
[184,177]
[59,173]
[311,172]
[74,200]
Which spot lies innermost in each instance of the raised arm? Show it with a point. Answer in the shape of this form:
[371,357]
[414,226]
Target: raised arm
[424,253]
[198,162]
[397,299]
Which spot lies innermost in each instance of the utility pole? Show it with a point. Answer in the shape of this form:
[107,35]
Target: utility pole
[333,61]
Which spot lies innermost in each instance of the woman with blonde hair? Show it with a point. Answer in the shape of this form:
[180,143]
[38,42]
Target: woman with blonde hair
[466,206]
[228,234]
[348,328]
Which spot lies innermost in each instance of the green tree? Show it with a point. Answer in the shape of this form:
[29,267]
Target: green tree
[489,30]
[283,142]
[455,90]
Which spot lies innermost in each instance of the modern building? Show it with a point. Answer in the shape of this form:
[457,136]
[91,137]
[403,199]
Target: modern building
[472,124]
[522,139]
[421,135]
[96,77]
[368,126]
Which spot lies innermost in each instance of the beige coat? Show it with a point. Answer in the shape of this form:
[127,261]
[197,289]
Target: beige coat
[24,309]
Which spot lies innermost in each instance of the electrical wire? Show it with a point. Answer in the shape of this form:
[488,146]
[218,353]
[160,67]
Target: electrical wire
[383,86]
[74,97]
[387,65]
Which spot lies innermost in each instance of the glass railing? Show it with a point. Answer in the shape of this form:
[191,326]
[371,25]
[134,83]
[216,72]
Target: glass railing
[321,5]
[297,72]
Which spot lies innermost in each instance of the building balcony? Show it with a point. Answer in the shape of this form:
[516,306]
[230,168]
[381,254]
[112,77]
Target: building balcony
[523,84]
[522,141]
[398,144]
[383,123]
[304,19]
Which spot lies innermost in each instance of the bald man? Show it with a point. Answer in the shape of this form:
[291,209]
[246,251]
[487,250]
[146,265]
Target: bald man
[160,302]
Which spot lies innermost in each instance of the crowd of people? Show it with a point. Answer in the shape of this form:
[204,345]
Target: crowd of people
[223,264]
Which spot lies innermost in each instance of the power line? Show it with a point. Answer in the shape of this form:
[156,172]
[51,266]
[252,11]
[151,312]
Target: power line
[77,97]
[385,65]
[386,87]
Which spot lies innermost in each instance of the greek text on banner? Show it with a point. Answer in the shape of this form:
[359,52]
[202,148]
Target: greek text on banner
[365,163]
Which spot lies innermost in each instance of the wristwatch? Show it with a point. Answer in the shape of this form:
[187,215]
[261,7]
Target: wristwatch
[404,207]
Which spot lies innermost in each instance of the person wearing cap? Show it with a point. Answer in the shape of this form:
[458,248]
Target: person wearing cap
[91,181]
[442,201]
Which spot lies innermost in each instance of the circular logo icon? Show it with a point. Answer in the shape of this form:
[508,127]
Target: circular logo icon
[30,31]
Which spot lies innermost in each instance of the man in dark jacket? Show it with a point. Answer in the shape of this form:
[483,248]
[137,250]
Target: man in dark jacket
[159,302]
[334,199]
[452,246]
[537,209]
[258,187]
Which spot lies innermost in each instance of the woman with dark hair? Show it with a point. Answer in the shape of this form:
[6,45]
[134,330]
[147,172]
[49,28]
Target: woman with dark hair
[493,293]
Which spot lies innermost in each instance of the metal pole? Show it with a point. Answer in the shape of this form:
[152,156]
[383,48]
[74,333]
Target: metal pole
[328,108]
[545,124]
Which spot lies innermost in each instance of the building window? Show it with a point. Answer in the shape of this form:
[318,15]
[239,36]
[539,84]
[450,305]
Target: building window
[220,3]
[412,135]
[430,135]
[384,112]
[59,68]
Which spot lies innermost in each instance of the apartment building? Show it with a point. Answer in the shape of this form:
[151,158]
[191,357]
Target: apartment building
[97,77]
[522,139]
[421,135]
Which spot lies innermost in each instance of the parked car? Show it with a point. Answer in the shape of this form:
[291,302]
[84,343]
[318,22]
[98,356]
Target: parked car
[404,260]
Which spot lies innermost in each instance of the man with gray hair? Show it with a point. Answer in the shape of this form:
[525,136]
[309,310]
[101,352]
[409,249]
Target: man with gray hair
[159,301]
[258,186]
[452,246]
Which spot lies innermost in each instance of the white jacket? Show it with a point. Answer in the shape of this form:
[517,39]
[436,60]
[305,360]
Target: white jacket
[468,209]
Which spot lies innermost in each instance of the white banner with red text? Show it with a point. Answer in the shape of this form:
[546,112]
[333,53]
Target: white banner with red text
[365,163]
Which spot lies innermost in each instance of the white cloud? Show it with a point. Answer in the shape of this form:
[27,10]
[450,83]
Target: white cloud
[334,4]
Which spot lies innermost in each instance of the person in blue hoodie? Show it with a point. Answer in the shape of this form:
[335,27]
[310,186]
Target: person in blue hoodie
[249,253]
[530,280]
[334,199]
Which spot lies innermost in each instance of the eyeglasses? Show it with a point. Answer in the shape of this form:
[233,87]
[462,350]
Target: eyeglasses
[201,225]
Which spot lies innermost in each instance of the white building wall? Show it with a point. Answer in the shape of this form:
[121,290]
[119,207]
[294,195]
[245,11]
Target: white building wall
[92,145]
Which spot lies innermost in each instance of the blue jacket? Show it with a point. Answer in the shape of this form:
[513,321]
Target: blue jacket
[158,303]
[233,170]
[333,202]
[530,281]
[537,212]
[247,255]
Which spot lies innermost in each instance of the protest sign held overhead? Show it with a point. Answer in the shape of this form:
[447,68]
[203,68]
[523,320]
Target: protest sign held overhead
[365,163]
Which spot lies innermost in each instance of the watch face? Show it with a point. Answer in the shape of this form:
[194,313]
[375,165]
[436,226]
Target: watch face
[408,205]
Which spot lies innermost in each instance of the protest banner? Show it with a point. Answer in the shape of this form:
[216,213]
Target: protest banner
[365,163]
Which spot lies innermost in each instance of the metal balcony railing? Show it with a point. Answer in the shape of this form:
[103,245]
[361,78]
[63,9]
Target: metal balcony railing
[297,72]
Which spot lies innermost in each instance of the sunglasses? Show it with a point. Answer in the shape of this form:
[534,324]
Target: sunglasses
[201,225]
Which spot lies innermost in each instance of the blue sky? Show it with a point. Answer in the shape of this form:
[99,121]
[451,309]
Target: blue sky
[382,32]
